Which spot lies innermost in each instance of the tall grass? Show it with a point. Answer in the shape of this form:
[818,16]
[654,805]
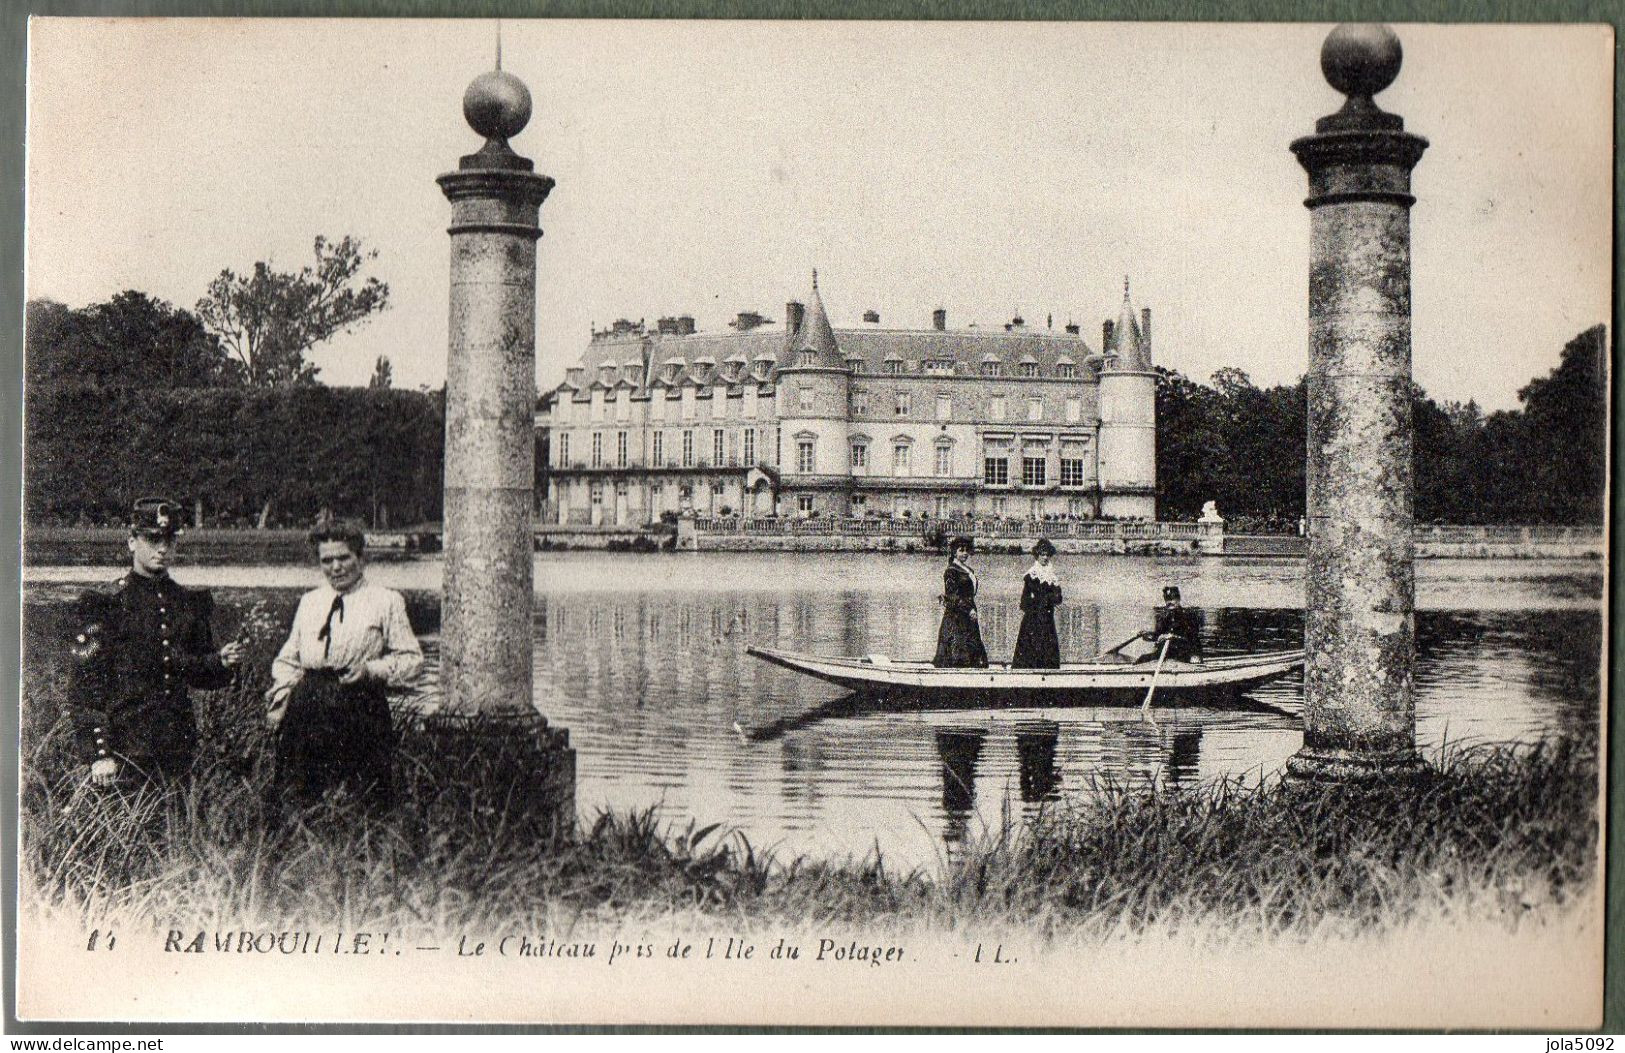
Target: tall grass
[1504,832]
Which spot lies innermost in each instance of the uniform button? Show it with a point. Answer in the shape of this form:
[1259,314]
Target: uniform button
[166,641]
[98,731]
[100,741]
[101,753]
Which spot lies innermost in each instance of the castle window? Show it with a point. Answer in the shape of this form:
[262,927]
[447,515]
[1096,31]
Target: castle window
[660,447]
[996,470]
[991,368]
[942,510]
[688,448]
[620,449]
[716,446]
[1066,371]
[1029,369]
[806,400]
[809,357]
[564,450]
[901,459]
[597,449]
[894,366]
[860,402]
[1071,471]
[804,504]
[806,461]
[945,460]
[860,457]
[855,364]
[904,404]
[750,445]
[1032,471]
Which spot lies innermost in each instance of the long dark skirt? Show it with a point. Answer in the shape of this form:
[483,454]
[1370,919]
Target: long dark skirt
[336,734]
[959,641]
[1037,645]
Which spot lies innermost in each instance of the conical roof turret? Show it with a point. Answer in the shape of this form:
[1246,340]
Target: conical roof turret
[1129,344]
[815,334]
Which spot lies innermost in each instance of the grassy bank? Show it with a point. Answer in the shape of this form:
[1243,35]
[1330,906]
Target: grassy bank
[1497,832]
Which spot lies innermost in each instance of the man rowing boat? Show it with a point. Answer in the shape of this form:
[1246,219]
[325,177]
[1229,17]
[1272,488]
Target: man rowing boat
[1178,626]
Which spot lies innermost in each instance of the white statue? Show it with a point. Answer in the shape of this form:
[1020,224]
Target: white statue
[1210,513]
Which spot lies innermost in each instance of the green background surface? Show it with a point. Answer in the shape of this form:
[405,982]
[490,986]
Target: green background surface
[13,61]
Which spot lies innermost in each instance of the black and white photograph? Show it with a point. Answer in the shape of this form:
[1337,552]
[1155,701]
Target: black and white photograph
[815,524]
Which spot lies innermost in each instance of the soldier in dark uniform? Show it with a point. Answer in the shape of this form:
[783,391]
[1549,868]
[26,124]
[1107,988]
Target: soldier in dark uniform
[138,649]
[1180,626]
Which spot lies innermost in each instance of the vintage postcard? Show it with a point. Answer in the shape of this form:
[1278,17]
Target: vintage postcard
[815,523]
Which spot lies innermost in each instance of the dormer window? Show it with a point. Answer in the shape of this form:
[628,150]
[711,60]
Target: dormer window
[991,367]
[809,357]
[855,365]
[1029,369]
[894,366]
[1066,371]
[939,366]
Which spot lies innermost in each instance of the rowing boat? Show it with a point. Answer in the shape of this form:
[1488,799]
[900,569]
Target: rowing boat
[1096,683]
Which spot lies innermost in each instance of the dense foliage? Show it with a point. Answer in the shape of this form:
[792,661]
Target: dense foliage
[1244,447]
[245,457]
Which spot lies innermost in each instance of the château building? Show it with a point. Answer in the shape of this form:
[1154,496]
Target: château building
[810,420]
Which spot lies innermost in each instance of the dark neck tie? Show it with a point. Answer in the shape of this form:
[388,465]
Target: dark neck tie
[326,635]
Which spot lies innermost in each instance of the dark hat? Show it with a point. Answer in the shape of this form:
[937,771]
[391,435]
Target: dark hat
[1044,547]
[1170,592]
[155,517]
[962,541]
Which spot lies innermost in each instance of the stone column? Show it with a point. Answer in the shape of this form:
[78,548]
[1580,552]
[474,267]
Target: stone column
[1360,718]
[486,646]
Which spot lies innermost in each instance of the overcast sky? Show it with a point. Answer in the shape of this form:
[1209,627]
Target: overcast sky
[707,167]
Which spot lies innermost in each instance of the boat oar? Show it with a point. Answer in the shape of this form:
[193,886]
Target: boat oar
[1125,643]
[1145,707]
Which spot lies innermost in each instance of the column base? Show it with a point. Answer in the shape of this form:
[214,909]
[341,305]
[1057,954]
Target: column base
[1324,765]
[518,748]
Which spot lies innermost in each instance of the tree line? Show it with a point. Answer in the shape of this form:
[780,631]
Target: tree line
[221,408]
[1244,447]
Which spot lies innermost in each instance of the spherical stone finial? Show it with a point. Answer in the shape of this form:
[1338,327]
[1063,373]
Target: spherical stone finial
[1361,58]
[497,105]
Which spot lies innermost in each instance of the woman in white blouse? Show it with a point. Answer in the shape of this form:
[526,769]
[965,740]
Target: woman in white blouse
[350,646]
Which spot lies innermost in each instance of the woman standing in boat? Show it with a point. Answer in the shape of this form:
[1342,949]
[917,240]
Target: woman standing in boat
[1037,645]
[959,641]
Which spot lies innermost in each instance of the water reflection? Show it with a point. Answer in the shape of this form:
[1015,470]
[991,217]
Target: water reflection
[643,659]
[666,708]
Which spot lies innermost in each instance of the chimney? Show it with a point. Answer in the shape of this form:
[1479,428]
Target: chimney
[872,317]
[745,321]
[685,325]
[666,326]
[1145,329]
[939,319]
[792,317]
[1107,331]
[1072,328]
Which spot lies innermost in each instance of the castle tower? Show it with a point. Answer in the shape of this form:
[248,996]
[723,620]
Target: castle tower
[1128,419]
[814,391]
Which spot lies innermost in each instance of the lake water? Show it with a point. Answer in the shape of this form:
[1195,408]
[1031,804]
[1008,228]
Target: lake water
[643,658]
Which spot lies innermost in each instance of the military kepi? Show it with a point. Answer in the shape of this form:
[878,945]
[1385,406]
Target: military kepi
[155,517]
[1170,593]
